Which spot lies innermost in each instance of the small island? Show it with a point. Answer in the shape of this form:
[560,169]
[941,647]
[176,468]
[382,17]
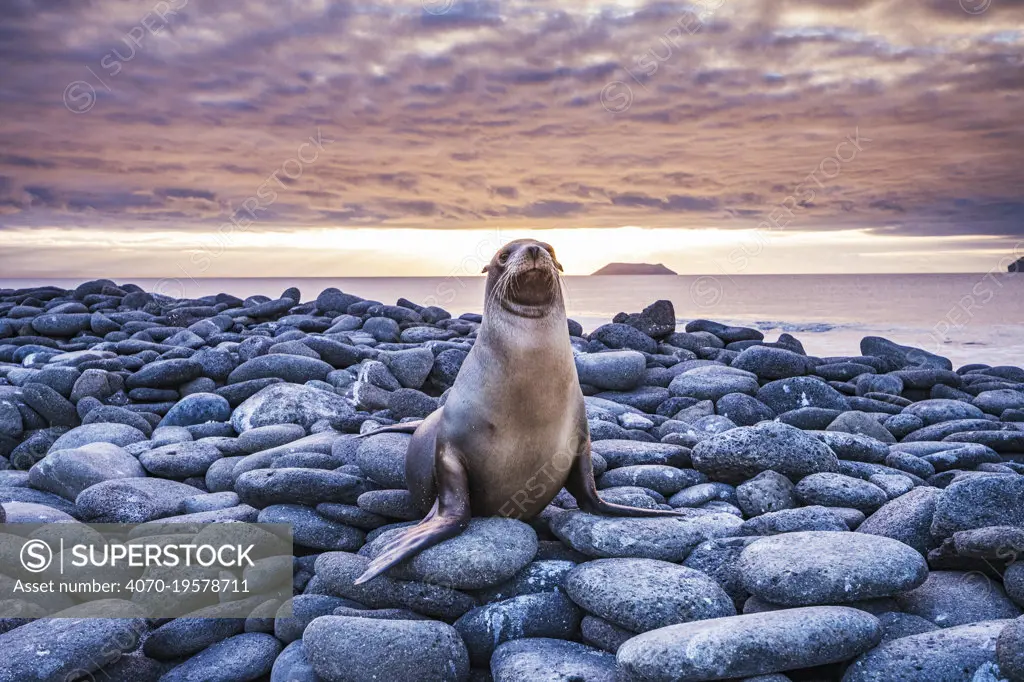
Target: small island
[1016,266]
[634,269]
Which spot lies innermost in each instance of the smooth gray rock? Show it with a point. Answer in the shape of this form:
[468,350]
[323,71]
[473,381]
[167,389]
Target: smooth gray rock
[713,383]
[367,649]
[661,478]
[183,637]
[645,594]
[613,371]
[908,518]
[241,658]
[827,567]
[950,654]
[950,598]
[411,367]
[668,539]
[602,634]
[551,660]
[941,410]
[861,424]
[896,624]
[293,666]
[622,453]
[197,408]
[744,452]
[547,614]
[769,491]
[165,374]
[382,458]
[746,645]
[999,400]
[289,404]
[770,363]
[837,490]
[56,649]
[795,520]
[719,559]
[180,460]
[339,570]
[794,393]
[132,500]
[488,552]
[976,502]
[118,434]
[312,530]
[296,369]
[1010,650]
[290,485]
[69,472]
[897,356]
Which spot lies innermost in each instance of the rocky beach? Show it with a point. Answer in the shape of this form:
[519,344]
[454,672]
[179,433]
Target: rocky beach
[853,518]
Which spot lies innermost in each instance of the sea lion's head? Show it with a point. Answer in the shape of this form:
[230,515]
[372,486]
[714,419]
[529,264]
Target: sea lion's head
[522,278]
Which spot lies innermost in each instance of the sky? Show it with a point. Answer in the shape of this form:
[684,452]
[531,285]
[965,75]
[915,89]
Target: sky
[312,138]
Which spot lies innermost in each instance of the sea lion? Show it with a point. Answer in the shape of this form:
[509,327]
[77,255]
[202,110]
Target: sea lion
[513,430]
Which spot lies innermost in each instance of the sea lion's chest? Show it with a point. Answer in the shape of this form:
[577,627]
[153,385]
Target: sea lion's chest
[516,420]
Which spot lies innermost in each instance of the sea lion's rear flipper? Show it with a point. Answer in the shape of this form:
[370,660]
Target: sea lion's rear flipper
[447,518]
[581,486]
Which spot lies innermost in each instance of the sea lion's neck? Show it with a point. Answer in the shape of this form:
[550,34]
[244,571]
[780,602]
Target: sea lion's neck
[503,329]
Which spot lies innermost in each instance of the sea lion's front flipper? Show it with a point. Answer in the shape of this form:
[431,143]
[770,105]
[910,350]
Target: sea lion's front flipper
[448,517]
[581,486]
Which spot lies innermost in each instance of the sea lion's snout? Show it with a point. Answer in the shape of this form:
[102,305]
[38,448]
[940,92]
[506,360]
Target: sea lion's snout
[523,277]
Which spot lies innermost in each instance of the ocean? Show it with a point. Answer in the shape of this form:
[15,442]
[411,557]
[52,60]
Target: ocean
[965,317]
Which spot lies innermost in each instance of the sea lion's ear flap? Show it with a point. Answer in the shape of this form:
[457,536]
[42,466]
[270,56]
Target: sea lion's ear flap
[557,265]
[488,267]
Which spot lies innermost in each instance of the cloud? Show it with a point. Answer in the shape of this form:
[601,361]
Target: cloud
[479,113]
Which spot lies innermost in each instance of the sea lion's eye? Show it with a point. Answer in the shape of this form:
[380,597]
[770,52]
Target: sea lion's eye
[503,258]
